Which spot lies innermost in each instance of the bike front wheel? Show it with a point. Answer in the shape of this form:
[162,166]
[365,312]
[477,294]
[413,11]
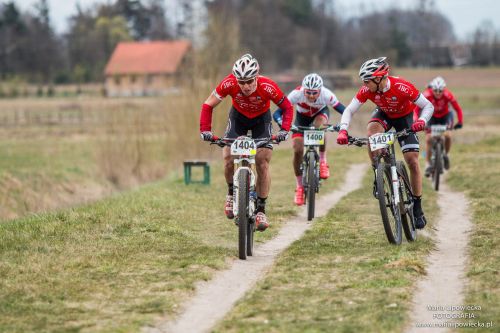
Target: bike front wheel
[389,210]
[406,204]
[438,165]
[243,218]
[311,185]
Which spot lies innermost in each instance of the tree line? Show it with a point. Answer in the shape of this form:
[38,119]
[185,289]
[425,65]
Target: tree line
[288,34]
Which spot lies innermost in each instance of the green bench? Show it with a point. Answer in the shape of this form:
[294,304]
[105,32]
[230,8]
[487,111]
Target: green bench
[188,165]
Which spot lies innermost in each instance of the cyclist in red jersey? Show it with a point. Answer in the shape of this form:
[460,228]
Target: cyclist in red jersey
[394,98]
[440,97]
[251,94]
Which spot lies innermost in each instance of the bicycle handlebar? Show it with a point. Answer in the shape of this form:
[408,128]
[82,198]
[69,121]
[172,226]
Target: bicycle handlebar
[222,142]
[358,141]
[325,127]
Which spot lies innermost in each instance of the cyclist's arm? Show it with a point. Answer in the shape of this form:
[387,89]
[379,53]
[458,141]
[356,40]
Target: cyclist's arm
[339,107]
[333,101]
[458,110]
[278,116]
[416,113]
[426,106]
[206,112]
[287,107]
[353,107]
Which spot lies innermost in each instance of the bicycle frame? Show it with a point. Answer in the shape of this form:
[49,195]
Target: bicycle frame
[437,133]
[244,151]
[394,175]
[313,138]
[389,155]
[400,201]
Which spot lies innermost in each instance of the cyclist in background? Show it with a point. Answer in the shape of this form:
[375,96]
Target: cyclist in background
[311,100]
[440,97]
[394,98]
[251,94]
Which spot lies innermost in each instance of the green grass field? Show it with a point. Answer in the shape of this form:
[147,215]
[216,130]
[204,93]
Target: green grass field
[342,276]
[475,172]
[117,264]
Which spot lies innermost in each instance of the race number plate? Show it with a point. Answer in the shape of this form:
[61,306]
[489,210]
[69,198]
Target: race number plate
[314,138]
[381,140]
[437,130]
[243,146]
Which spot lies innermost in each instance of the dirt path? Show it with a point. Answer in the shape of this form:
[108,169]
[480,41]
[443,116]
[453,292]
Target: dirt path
[213,299]
[444,284]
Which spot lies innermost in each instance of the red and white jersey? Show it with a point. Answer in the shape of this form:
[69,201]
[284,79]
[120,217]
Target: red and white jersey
[396,100]
[441,105]
[255,104]
[309,109]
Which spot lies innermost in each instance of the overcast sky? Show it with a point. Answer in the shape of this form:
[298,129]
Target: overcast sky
[465,15]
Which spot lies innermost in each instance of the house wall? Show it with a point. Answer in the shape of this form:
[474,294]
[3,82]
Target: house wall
[139,85]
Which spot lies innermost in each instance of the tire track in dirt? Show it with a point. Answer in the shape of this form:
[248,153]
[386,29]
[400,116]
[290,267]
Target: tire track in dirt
[215,298]
[445,281]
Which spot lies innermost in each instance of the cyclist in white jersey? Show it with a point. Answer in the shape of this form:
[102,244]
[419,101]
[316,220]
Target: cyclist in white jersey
[311,101]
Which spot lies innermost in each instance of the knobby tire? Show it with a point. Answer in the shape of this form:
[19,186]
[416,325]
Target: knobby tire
[243,222]
[388,210]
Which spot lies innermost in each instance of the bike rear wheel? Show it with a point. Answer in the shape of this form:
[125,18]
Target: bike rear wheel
[438,165]
[312,185]
[406,207]
[243,220]
[391,216]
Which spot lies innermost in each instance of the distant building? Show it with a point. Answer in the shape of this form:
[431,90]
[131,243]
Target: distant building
[145,68]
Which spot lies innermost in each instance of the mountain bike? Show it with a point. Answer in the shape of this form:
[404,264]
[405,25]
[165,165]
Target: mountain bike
[437,153]
[313,138]
[244,150]
[392,186]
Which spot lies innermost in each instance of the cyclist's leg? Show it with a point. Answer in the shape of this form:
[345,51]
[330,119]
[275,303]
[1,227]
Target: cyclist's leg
[235,127]
[447,134]
[262,160]
[410,148]
[298,153]
[262,129]
[320,119]
[298,145]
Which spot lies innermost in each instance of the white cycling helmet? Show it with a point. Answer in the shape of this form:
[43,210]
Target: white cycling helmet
[437,83]
[246,67]
[374,68]
[312,82]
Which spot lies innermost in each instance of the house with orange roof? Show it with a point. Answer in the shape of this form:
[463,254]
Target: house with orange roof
[145,68]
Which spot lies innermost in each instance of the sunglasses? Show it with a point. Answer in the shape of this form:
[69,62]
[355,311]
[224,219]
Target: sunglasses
[246,82]
[437,91]
[311,92]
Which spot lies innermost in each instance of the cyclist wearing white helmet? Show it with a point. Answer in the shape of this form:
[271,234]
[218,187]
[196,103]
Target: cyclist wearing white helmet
[311,100]
[251,94]
[394,98]
[440,97]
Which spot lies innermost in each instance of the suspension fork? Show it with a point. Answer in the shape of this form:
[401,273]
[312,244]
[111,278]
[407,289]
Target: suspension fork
[394,175]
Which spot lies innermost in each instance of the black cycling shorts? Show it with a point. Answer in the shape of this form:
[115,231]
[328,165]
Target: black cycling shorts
[305,121]
[446,120]
[408,143]
[260,127]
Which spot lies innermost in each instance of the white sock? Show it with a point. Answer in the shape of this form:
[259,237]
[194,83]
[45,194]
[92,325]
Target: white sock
[299,181]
